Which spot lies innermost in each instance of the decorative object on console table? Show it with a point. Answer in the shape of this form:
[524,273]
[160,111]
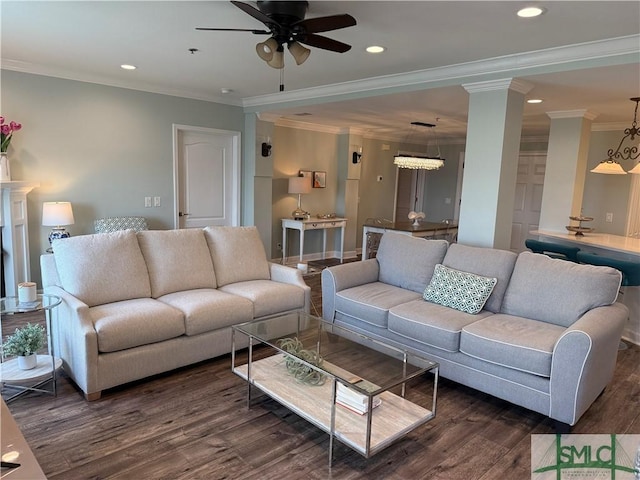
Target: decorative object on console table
[57,215]
[25,343]
[299,185]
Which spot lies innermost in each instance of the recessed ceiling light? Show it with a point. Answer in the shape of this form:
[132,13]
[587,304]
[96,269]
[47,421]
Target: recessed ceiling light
[529,12]
[534,100]
[375,49]
[128,67]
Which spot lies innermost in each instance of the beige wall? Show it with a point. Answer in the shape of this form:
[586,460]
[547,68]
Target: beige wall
[295,150]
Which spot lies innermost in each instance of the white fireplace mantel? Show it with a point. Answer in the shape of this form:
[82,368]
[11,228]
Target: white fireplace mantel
[14,221]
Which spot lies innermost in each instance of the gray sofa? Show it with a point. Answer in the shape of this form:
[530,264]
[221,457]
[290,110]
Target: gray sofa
[546,338]
[138,304]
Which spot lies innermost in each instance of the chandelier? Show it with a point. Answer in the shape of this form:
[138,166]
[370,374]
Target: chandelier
[424,162]
[610,166]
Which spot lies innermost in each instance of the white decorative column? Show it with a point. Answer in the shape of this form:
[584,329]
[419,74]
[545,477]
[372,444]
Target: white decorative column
[14,221]
[491,162]
[566,169]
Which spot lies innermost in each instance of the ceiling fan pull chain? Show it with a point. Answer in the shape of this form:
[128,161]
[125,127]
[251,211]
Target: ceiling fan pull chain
[282,79]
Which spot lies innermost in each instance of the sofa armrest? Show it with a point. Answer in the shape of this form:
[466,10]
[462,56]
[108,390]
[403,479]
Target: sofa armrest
[584,359]
[341,277]
[292,276]
[75,339]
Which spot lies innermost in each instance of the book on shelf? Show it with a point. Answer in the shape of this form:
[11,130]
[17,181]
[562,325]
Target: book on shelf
[355,401]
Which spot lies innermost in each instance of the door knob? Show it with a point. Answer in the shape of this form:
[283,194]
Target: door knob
[180,214]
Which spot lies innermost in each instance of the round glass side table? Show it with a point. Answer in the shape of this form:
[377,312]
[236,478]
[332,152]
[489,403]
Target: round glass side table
[13,377]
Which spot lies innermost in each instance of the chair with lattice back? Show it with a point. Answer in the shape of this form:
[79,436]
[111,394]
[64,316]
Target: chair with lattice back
[114,224]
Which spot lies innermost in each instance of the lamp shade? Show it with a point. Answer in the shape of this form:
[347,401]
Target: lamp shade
[278,60]
[609,167]
[299,53]
[56,214]
[298,185]
[635,170]
[266,49]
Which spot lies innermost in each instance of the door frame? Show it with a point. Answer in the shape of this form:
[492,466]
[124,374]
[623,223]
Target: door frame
[236,173]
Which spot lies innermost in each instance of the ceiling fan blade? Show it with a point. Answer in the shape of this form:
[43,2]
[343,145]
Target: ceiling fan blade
[323,42]
[254,12]
[257,32]
[326,24]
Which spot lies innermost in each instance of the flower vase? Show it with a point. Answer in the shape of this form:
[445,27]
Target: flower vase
[5,169]
[27,362]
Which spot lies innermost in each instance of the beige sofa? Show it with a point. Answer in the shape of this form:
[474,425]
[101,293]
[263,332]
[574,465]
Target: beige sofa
[138,304]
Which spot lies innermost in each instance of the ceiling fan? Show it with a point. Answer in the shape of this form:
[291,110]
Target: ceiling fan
[286,25]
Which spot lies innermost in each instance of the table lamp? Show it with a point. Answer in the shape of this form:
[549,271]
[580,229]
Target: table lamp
[299,185]
[57,215]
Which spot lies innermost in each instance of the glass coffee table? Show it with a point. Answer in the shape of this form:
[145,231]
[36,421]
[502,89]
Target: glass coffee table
[347,384]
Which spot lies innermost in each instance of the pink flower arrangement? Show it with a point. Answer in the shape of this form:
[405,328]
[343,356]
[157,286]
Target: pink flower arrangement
[6,133]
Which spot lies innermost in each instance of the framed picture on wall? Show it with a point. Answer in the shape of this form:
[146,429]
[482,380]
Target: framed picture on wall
[319,179]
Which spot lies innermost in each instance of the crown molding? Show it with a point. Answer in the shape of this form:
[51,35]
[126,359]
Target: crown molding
[609,127]
[515,84]
[49,71]
[581,113]
[615,49]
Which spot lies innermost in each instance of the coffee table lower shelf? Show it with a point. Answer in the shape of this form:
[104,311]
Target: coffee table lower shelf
[394,418]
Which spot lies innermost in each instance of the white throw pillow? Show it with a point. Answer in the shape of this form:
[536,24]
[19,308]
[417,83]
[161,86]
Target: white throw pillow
[238,254]
[102,268]
[177,260]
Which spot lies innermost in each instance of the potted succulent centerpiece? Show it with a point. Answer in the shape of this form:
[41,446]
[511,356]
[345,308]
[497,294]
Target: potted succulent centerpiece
[24,343]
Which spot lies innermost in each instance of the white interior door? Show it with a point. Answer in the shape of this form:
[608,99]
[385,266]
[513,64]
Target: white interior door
[528,199]
[207,177]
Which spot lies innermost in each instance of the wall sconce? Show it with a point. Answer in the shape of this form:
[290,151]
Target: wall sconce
[266,149]
[356,157]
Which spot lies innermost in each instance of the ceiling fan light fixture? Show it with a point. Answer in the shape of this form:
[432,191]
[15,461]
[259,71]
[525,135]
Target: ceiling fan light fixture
[278,59]
[299,52]
[267,49]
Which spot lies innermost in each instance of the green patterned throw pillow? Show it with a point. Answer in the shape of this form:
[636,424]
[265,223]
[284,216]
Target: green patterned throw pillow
[463,291]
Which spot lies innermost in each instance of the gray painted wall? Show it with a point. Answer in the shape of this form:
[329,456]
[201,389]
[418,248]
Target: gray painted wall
[104,149]
[101,148]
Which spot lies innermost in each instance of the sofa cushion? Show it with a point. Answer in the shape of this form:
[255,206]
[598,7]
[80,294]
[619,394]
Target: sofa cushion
[102,268]
[238,254]
[488,262]
[431,324]
[463,291]
[207,309]
[514,342]
[131,323]
[268,296]
[568,289]
[371,302]
[408,262]
[177,260]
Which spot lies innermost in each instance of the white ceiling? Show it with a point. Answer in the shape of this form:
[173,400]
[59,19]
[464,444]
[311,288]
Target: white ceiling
[434,44]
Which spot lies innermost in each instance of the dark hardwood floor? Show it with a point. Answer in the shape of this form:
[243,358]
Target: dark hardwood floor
[193,423]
